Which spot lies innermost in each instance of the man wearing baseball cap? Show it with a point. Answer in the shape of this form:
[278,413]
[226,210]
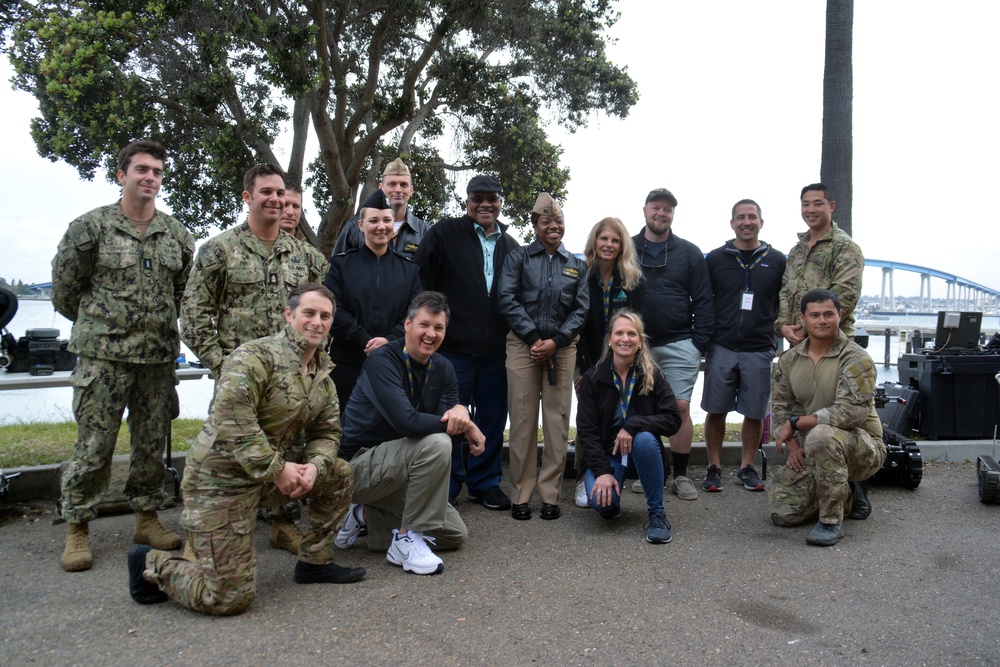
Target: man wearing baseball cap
[679,317]
[462,258]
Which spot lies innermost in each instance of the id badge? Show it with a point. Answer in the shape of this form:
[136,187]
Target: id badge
[747,301]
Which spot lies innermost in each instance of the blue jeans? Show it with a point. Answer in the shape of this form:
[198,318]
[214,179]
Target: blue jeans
[482,382]
[644,460]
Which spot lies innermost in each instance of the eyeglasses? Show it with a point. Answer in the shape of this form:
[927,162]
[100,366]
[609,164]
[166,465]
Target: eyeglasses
[647,260]
[479,199]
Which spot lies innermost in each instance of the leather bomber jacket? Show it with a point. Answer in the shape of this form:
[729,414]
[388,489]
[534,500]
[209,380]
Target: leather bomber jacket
[542,297]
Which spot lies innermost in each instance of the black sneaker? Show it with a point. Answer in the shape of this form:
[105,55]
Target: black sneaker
[492,499]
[657,528]
[750,479]
[825,534]
[141,590]
[713,479]
[330,573]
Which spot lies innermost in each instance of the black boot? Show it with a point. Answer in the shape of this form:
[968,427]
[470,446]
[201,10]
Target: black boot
[141,590]
[330,573]
[861,507]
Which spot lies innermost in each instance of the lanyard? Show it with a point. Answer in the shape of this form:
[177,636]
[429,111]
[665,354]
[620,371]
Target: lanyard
[409,375]
[624,396]
[753,265]
[606,290]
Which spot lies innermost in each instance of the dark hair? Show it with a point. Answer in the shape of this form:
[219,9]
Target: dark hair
[745,201]
[250,177]
[818,296]
[293,185]
[142,146]
[295,296]
[819,187]
[432,302]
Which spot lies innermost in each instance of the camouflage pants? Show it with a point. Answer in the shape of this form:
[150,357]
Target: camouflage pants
[833,456]
[102,390]
[277,506]
[220,526]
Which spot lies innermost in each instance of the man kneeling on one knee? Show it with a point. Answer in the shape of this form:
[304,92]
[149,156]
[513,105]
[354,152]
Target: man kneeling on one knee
[398,425]
[823,397]
[270,391]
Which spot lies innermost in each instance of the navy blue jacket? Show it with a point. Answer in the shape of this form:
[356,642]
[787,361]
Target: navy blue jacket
[381,409]
[678,300]
[745,330]
[451,261]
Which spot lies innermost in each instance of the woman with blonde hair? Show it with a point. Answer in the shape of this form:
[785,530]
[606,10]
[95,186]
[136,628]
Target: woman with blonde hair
[624,406]
[615,282]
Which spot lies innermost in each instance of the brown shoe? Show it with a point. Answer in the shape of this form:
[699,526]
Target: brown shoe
[76,557]
[149,530]
[286,535]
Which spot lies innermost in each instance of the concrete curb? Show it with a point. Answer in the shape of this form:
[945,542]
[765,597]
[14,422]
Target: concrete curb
[42,482]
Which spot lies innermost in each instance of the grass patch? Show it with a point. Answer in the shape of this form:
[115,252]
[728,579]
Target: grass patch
[32,444]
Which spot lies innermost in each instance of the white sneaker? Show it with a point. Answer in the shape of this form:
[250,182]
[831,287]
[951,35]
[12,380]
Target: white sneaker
[411,551]
[351,527]
[581,495]
[637,487]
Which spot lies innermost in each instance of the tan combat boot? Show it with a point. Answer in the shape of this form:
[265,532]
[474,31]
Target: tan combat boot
[149,530]
[76,557]
[285,535]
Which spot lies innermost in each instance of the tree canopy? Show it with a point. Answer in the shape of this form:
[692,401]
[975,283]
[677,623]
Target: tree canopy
[449,85]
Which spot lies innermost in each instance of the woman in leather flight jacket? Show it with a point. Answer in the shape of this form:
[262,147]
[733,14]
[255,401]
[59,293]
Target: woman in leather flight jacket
[544,296]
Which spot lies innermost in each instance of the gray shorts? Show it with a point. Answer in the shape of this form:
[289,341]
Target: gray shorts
[738,381]
[680,362]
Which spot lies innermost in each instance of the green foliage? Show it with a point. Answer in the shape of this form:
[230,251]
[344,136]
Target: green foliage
[368,80]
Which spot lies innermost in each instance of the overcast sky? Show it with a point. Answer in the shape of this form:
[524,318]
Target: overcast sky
[730,107]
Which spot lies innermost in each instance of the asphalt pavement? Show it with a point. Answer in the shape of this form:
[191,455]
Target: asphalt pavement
[918,583]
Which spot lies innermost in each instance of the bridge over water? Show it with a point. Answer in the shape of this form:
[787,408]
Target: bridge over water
[960,293]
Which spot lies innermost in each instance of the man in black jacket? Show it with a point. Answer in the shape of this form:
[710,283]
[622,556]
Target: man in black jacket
[398,425]
[462,258]
[746,278]
[677,311]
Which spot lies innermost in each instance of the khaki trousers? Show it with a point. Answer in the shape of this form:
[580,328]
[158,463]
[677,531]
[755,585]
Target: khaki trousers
[527,382]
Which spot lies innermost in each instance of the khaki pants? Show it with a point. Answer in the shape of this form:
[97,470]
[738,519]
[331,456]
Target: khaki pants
[527,382]
[404,483]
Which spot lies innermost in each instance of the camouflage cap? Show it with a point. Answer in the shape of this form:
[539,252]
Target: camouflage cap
[396,168]
[546,205]
[662,193]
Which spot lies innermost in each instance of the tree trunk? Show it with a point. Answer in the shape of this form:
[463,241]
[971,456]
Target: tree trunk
[838,93]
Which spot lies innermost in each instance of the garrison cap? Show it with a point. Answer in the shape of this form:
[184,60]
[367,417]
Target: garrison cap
[396,168]
[546,205]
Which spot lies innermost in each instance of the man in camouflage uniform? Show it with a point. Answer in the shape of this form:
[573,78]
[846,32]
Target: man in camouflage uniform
[823,397]
[238,291]
[270,391]
[824,258]
[119,274]
[292,212]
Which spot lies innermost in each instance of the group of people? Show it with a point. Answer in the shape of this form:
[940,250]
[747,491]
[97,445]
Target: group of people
[379,383]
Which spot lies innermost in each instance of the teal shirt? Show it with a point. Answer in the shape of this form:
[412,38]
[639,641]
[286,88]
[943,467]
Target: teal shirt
[489,245]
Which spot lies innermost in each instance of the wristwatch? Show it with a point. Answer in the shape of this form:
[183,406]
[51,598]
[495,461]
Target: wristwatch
[793,419]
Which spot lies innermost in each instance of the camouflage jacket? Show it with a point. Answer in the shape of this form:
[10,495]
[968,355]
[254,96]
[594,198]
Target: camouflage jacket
[237,292]
[839,390]
[122,288]
[835,263]
[263,402]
